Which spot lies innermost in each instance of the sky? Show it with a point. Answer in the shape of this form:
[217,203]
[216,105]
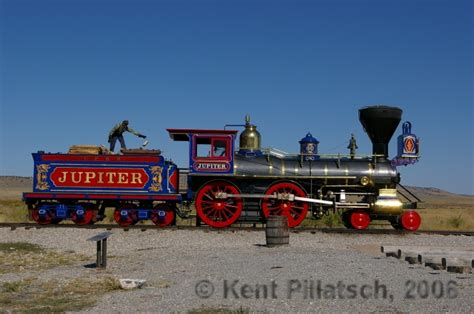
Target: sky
[70,70]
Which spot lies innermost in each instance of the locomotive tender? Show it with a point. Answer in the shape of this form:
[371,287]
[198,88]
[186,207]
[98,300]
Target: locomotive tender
[228,184]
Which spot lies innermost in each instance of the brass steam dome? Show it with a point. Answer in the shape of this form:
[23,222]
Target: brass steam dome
[250,138]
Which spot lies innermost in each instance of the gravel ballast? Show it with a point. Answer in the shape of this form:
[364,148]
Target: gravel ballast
[196,269]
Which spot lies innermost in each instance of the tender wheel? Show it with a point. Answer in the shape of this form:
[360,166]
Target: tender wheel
[126,215]
[163,215]
[410,220]
[83,216]
[359,220]
[43,216]
[295,210]
[218,212]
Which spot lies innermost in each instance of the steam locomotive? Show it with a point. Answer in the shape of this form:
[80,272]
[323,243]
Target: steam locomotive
[226,184]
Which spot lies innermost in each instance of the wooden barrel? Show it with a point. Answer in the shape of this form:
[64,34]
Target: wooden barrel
[276,231]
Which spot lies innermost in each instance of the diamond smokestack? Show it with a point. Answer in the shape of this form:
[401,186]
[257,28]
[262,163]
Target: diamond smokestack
[380,122]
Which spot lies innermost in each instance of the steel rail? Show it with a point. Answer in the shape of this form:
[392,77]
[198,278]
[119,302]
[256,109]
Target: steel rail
[248,228]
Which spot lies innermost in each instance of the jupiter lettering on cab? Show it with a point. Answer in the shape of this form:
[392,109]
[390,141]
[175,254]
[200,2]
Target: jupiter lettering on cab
[219,166]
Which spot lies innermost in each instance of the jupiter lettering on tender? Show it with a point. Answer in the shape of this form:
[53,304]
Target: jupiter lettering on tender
[100,177]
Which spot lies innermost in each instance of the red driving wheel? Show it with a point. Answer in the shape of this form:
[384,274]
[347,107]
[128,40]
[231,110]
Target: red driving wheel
[359,219]
[410,220]
[218,212]
[295,210]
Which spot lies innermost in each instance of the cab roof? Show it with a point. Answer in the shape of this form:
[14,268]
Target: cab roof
[183,134]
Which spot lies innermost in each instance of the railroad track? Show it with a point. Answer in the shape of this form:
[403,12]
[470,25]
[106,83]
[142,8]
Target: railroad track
[247,228]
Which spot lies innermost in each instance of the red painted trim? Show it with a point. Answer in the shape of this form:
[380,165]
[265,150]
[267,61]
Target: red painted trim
[71,196]
[173,179]
[102,196]
[129,197]
[173,197]
[201,131]
[213,139]
[37,195]
[150,197]
[101,158]
[183,134]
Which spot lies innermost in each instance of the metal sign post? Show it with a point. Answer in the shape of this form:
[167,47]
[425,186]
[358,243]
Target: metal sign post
[101,240]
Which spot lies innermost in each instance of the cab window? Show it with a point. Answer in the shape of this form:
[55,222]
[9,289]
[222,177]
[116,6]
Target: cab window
[207,147]
[220,148]
[203,150]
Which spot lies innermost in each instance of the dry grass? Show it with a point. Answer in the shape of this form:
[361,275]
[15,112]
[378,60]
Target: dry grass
[442,219]
[13,211]
[20,257]
[445,212]
[31,295]
[22,247]
[332,220]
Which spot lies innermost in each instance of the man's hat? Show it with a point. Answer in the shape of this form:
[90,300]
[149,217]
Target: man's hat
[125,122]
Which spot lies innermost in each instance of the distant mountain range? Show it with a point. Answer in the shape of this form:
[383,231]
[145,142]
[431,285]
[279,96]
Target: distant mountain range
[430,192]
[14,182]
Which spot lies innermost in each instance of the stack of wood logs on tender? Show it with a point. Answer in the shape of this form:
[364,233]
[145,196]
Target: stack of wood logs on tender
[88,149]
[102,150]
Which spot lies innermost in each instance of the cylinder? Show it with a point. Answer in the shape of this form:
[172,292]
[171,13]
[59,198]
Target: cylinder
[276,231]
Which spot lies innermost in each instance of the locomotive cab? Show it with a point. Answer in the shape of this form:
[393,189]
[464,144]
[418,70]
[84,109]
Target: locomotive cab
[210,151]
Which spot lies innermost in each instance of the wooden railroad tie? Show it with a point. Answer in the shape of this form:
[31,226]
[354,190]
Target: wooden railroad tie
[452,259]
